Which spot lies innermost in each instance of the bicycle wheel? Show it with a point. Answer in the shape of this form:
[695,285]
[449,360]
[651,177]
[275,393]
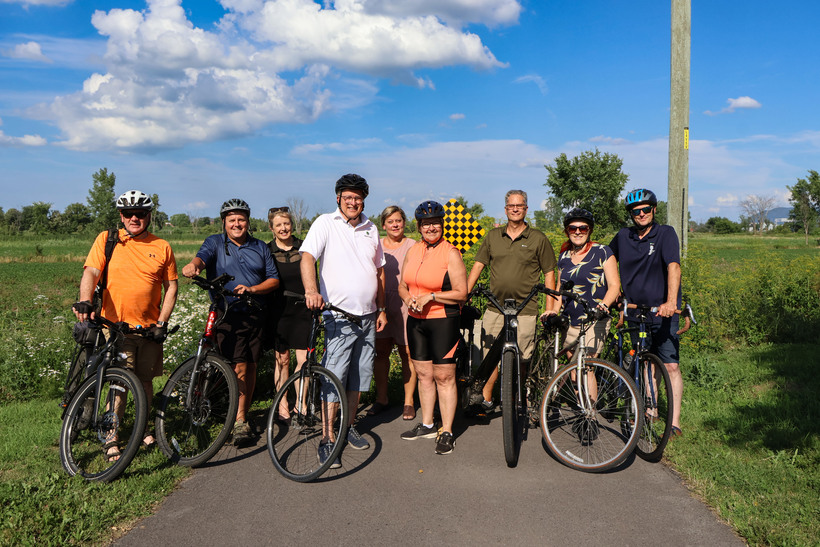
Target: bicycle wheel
[122,411]
[190,432]
[591,437]
[656,394]
[513,409]
[294,446]
[539,375]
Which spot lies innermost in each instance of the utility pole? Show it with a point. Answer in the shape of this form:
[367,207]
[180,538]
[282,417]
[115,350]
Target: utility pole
[678,191]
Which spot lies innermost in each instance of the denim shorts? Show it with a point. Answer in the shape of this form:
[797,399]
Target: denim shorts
[664,340]
[349,352]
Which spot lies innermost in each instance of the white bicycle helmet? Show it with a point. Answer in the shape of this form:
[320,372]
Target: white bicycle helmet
[134,199]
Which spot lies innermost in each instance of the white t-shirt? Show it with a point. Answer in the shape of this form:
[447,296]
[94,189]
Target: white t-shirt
[349,258]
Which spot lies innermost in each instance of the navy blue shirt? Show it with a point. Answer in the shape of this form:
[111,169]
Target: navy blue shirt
[250,263]
[644,262]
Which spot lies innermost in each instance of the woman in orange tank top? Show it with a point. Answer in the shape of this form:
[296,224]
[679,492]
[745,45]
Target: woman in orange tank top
[434,286]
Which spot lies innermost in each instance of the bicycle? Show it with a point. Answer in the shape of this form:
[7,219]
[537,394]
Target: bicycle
[107,409]
[591,411]
[198,404]
[504,350]
[655,394]
[293,444]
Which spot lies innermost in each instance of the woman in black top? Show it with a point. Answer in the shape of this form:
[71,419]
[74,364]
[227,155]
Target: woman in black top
[290,320]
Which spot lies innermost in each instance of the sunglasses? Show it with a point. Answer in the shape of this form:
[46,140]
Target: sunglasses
[278,210]
[579,228]
[140,214]
[638,210]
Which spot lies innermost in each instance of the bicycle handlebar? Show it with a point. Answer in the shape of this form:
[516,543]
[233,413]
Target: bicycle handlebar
[327,306]
[124,328]
[687,313]
[217,285]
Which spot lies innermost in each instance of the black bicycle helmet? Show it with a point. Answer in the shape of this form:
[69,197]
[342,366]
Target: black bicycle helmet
[429,209]
[134,199]
[234,204]
[579,214]
[352,182]
[640,196]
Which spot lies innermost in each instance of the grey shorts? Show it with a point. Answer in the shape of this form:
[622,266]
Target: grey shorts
[349,352]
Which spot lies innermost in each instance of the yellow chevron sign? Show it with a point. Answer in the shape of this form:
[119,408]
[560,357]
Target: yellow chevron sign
[460,228]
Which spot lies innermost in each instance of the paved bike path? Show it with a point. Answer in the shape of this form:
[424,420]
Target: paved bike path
[400,493]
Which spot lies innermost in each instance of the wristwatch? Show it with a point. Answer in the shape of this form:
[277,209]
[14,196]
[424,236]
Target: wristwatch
[433,295]
[382,309]
[162,323]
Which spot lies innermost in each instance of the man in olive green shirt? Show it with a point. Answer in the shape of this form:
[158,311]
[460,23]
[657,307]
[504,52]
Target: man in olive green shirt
[517,255]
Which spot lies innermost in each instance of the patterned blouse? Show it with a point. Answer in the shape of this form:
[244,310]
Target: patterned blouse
[589,279]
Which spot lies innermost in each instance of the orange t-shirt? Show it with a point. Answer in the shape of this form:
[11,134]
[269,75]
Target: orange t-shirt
[138,269]
[426,271]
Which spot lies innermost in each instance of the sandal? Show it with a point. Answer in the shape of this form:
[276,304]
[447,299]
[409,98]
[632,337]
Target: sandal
[377,408]
[409,413]
[149,445]
[112,451]
[676,432]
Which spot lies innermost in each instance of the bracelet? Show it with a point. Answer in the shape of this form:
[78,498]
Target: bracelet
[382,309]
[162,323]
[433,295]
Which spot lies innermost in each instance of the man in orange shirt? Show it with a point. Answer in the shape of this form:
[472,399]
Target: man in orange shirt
[142,266]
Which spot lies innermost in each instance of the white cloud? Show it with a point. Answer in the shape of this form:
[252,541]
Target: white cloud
[533,78]
[728,199]
[27,3]
[167,83]
[30,51]
[734,104]
[457,116]
[25,140]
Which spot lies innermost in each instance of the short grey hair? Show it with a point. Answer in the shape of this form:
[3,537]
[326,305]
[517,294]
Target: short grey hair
[521,193]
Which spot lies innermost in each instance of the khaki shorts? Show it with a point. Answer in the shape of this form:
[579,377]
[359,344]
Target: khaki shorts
[493,324]
[595,337]
[143,356]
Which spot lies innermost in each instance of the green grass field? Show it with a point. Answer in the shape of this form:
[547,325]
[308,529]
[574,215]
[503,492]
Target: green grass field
[751,447]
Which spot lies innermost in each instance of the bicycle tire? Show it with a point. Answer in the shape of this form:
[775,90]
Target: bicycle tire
[537,378]
[656,396]
[513,409]
[294,446]
[191,436]
[82,441]
[601,438]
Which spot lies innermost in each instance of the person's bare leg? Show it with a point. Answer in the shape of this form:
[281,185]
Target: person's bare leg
[408,372]
[445,379]
[427,390]
[246,377]
[676,379]
[280,374]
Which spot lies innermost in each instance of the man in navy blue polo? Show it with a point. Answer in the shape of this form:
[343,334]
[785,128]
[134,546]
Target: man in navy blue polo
[648,254]
[248,260]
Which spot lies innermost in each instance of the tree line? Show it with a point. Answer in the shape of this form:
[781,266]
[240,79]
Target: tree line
[592,180]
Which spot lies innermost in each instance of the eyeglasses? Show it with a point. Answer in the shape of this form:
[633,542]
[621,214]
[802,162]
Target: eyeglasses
[638,210]
[273,210]
[139,213]
[352,199]
[516,206]
[579,228]
[432,226]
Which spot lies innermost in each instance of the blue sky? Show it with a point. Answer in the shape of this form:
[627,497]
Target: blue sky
[271,100]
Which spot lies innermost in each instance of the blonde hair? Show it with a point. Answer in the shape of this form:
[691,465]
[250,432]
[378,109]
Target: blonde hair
[389,210]
[272,216]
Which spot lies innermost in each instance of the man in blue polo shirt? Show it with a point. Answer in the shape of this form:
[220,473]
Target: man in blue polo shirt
[248,260]
[648,254]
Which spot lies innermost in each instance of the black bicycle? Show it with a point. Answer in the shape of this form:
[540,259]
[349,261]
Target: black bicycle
[199,402]
[318,415]
[504,350]
[105,409]
[649,373]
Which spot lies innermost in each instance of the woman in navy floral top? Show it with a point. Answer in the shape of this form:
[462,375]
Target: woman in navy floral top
[593,270]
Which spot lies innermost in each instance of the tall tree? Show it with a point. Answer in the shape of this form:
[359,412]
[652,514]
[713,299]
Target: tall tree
[101,201]
[157,219]
[299,212]
[757,209]
[593,181]
[805,200]
[35,217]
[14,220]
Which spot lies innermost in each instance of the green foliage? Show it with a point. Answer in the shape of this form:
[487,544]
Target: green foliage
[805,200]
[180,220]
[101,201]
[721,225]
[593,181]
[751,444]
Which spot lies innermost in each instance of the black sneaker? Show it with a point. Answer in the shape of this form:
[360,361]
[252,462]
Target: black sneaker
[445,443]
[419,432]
[487,406]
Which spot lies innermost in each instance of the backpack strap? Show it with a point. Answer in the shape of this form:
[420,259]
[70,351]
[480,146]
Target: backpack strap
[110,243]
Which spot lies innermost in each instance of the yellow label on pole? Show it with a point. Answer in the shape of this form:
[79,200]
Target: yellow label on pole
[686,138]
[460,228]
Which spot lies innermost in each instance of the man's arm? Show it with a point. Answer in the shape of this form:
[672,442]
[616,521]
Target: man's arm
[475,273]
[667,309]
[169,300]
[268,285]
[194,267]
[307,265]
[87,284]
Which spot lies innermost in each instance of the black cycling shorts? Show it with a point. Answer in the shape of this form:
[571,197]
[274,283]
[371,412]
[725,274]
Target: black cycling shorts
[433,340]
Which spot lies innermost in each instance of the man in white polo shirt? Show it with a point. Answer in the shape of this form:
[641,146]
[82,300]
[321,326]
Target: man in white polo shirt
[351,261]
